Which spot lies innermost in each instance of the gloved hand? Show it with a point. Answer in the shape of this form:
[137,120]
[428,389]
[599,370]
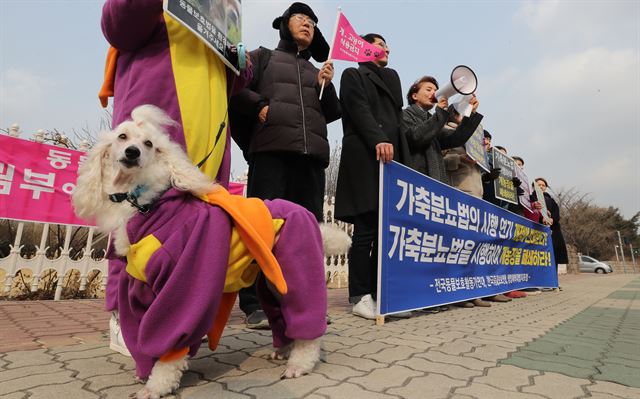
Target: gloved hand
[491,175]
[516,182]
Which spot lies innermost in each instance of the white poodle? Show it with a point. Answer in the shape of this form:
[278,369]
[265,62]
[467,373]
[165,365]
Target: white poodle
[190,246]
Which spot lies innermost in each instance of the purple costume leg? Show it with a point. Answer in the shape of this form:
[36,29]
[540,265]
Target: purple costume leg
[301,313]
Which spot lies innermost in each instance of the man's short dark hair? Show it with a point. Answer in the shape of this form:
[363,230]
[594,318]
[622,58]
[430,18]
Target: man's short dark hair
[487,134]
[517,158]
[416,86]
[371,37]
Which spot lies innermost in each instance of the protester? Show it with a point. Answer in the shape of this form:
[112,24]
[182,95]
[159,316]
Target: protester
[489,191]
[371,97]
[559,245]
[425,132]
[154,59]
[463,171]
[533,215]
[519,161]
[286,134]
[487,141]
[464,174]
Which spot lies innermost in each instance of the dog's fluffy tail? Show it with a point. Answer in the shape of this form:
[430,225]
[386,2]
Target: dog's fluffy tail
[334,240]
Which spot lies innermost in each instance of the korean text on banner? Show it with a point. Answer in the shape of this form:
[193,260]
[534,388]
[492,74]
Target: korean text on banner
[36,181]
[349,46]
[439,245]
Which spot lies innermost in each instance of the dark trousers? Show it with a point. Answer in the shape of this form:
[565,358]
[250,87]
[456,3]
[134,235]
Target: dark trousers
[293,177]
[363,257]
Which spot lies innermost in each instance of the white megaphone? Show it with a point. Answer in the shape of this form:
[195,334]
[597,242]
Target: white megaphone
[464,107]
[463,81]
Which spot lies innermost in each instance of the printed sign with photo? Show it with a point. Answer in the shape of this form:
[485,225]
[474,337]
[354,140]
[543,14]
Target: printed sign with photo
[505,190]
[524,185]
[218,23]
[476,150]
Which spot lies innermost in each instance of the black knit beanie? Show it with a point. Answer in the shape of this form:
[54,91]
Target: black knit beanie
[319,48]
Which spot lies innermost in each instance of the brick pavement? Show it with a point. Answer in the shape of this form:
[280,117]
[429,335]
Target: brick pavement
[60,350]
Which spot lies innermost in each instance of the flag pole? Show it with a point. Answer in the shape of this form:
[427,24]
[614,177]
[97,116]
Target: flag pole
[335,31]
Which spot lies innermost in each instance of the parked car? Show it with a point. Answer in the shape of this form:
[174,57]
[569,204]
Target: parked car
[591,265]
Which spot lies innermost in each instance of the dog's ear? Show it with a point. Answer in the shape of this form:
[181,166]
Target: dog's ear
[184,175]
[89,195]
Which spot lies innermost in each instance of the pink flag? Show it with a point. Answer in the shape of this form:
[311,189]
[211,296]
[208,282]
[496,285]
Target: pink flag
[349,46]
[36,181]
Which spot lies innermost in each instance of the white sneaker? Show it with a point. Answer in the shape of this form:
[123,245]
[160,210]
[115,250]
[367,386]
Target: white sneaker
[115,334]
[366,308]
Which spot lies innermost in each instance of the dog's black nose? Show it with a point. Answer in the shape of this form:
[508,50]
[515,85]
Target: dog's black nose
[132,152]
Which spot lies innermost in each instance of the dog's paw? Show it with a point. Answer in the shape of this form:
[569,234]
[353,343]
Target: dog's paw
[293,372]
[275,355]
[140,380]
[303,357]
[281,353]
[145,393]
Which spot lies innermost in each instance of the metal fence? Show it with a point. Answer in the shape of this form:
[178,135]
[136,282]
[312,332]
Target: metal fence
[44,261]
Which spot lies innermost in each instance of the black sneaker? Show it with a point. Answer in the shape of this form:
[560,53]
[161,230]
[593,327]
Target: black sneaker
[257,320]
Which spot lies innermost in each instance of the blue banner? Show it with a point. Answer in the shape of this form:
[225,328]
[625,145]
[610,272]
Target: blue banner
[439,245]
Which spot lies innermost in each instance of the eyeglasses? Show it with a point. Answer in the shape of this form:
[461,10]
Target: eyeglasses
[303,18]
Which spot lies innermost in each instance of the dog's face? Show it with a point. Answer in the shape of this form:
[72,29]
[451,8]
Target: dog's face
[139,152]
[134,147]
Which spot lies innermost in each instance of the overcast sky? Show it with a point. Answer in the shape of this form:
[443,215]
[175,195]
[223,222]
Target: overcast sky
[559,81]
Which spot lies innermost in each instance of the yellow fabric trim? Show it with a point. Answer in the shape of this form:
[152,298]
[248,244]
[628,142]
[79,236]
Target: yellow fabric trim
[139,255]
[254,223]
[242,271]
[201,85]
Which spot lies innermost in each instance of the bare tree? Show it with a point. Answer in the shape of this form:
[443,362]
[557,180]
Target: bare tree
[79,136]
[592,228]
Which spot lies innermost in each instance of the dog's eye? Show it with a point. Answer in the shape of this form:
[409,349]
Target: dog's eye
[148,143]
[122,136]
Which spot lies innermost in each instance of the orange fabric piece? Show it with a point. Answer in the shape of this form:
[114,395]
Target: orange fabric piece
[224,311]
[174,354]
[106,90]
[254,224]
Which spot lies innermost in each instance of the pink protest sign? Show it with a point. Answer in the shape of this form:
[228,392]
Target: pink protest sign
[349,46]
[237,188]
[36,181]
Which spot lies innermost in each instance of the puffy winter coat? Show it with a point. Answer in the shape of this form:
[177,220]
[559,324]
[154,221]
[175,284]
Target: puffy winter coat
[297,120]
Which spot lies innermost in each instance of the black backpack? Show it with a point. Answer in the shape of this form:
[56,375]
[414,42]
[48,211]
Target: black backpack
[240,125]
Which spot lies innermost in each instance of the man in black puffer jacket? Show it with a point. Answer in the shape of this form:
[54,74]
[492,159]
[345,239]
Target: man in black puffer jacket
[281,125]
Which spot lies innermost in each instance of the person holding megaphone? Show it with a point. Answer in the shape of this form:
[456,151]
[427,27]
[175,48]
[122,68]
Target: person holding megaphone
[425,131]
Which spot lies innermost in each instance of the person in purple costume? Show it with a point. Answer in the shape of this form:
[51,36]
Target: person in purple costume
[193,92]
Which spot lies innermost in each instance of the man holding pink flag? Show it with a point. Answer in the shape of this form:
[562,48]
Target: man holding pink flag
[371,98]
[280,123]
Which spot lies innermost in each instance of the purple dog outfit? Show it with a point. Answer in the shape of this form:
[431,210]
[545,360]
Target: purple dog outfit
[173,301]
